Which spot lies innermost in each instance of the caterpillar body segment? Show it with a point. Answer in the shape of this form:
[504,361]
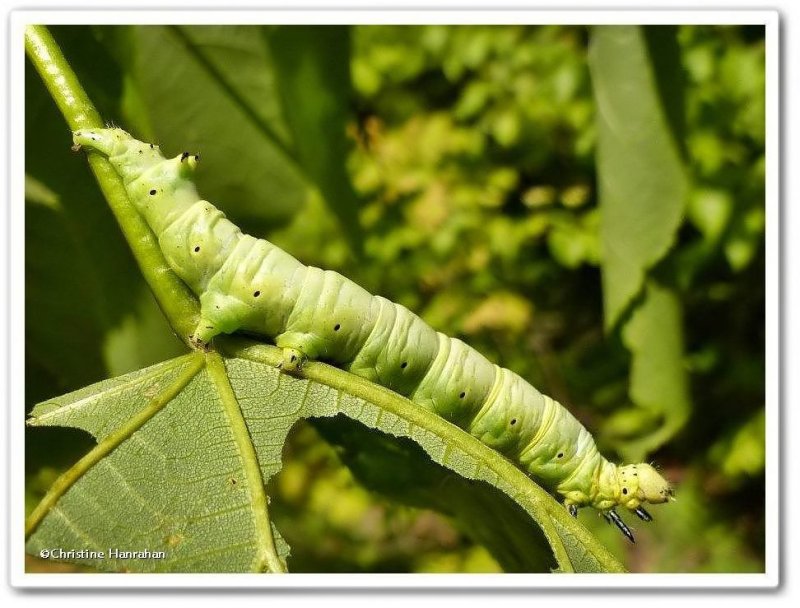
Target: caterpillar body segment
[318,334]
[457,383]
[249,284]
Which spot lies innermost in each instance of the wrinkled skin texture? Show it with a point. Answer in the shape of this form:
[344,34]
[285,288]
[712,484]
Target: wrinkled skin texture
[249,284]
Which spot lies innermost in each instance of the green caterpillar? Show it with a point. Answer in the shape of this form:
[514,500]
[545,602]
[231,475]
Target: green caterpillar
[249,284]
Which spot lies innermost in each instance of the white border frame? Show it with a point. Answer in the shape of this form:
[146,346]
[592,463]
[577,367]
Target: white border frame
[16,337]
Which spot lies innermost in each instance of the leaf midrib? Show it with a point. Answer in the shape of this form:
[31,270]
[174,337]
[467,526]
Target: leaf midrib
[267,554]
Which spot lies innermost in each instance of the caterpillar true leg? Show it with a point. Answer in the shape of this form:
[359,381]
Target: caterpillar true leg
[642,514]
[614,516]
[573,510]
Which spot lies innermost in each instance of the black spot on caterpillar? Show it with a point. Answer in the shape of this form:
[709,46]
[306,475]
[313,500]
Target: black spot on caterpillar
[249,284]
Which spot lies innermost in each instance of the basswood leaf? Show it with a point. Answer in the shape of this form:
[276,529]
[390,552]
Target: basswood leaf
[186,448]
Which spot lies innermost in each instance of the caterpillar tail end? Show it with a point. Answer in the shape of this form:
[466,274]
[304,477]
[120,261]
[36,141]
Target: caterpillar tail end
[103,141]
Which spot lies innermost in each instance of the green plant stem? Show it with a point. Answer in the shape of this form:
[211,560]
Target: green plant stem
[175,299]
[60,80]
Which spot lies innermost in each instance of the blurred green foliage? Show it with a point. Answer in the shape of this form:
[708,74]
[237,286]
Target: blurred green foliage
[333,523]
[473,154]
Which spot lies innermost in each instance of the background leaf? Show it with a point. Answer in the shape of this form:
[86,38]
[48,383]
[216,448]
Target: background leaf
[231,117]
[642,181]
[659,386]
[643,191]
[312,72]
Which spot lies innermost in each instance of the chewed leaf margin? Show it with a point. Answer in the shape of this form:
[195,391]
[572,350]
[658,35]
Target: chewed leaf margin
[268,403]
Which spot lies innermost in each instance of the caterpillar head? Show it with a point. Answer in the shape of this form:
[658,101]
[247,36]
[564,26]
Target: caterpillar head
[642,483]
